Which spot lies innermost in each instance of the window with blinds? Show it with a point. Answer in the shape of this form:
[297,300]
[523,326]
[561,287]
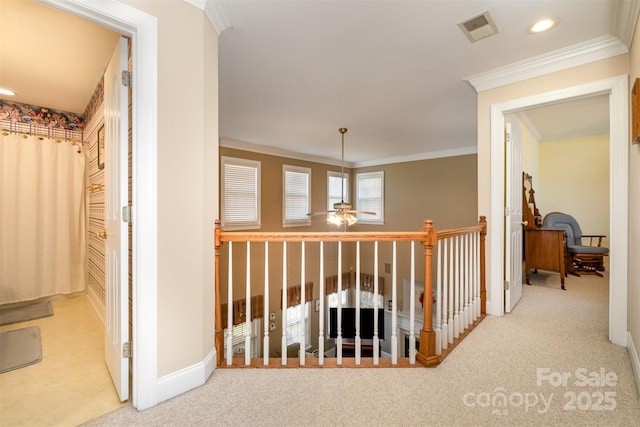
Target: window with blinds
[370,196]
[240,194]
[337,185]
[240,333]
[296,199]
[297,316]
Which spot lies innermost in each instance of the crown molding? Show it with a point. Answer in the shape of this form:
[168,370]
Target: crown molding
[218,13]
[279,152]
[579,54]
[464,151]
[625,20]
[272,151]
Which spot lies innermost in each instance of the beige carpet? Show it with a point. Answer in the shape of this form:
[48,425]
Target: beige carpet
[551,335]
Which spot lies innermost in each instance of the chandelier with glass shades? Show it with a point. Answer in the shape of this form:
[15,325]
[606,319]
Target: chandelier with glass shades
[342,214]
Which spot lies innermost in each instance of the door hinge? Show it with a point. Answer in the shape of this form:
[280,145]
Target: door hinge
[127,350]
[126,78]
[506,211]
[506,285]
[126,214]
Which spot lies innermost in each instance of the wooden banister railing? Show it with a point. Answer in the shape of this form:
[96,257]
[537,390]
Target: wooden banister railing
[467,290]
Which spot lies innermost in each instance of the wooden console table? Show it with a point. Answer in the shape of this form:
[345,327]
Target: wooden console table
[544,249]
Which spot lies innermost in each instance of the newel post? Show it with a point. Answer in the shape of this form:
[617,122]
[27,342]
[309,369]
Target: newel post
[483,275]
[427,352]
[219,333]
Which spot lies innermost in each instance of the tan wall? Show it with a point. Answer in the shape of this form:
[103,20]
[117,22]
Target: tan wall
[447,194]
[567,78]
[444,190]
[187,181]
[574,179]
[634,214]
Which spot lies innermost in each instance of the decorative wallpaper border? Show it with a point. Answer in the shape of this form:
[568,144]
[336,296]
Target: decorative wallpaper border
[40,116]
[95,102]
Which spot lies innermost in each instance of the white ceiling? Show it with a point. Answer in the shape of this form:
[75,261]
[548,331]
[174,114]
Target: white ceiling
[49,58]
[292,72]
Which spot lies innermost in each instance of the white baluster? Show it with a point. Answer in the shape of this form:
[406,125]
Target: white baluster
[266,319]
[358,338]
[283,346]
[394,312]
[452,288]
[412,310]
[476,259]
[303,308]
[471,281]
[456,304]
[321,313]
[230,308]
[445,294]
[466,281]
[376,339]
[339,311]
[247,336]
[436,326]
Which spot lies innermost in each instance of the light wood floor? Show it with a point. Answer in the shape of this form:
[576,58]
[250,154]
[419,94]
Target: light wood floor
[71,384]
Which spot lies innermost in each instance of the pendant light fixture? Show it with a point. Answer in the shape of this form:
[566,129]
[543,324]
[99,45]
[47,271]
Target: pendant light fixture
[342,214]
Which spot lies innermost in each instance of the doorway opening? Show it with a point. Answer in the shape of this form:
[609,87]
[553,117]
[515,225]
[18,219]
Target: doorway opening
[142,28]
[617,89]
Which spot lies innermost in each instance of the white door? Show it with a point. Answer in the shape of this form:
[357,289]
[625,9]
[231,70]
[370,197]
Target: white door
[116,244]
[513,216]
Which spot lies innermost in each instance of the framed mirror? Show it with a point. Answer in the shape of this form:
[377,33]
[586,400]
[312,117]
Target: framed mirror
[101,147]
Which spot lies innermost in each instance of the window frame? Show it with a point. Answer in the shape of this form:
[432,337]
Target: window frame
[239,225]
[239,337]
[345,182]
[378,219]
[306,318]
[301,221]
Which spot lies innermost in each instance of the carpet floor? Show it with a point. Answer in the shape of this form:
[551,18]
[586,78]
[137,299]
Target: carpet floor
[548,363]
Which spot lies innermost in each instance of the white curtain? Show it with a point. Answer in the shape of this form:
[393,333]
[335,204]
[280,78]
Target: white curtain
[42,218]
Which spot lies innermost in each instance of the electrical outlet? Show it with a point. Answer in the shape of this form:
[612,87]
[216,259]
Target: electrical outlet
[272,326]
[272,315]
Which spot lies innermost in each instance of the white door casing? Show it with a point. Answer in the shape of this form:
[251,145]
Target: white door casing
[143,30]
[617,88]
[513,217]
[117,241]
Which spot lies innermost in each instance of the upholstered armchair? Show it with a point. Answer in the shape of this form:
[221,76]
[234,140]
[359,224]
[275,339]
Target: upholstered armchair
[585,254]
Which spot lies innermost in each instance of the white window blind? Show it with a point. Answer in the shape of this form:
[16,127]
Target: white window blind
[240,332]
[296,198]
[370,196]
[295,316]
[337,185]
[240,194]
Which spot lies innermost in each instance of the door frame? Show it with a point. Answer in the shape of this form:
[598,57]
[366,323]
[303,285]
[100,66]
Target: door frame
[143,30]
[617,88]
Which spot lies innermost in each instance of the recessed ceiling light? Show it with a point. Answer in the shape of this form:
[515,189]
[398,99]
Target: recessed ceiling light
[7,92]
[542,26]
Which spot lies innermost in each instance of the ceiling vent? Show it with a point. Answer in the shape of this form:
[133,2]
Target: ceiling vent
[479,27]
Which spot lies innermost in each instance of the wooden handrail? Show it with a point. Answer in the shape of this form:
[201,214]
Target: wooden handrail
[348,236]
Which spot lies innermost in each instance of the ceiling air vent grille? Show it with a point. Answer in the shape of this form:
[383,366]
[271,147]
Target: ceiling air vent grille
[479,27]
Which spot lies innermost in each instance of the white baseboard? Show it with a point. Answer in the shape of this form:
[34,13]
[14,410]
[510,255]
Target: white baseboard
[97,305]
[186,379]
[635,359]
